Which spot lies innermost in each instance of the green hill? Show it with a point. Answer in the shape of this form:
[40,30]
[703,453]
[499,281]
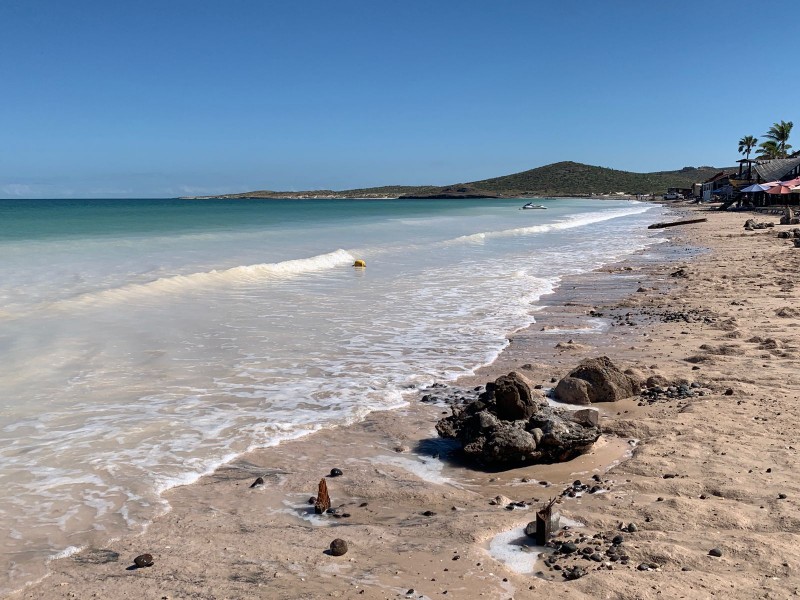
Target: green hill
[571,178]
[558,179]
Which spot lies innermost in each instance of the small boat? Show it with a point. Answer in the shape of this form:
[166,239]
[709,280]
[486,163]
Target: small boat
[532,205]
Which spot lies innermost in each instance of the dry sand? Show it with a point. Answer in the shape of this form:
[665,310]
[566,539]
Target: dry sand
[708,472]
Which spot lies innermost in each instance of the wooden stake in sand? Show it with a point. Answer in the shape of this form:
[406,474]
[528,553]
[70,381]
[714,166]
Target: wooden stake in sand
[323,502]
[546,523]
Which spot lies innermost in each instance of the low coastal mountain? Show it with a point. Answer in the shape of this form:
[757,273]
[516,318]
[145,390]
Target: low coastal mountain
[558,179]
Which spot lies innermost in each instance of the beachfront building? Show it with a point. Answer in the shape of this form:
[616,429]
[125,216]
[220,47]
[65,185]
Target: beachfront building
[717,185]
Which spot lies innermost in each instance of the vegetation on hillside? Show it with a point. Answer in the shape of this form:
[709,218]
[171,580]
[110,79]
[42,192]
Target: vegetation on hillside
[557,179]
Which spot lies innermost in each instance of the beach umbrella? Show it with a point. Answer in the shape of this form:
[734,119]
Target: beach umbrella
[756,187]
[779,189]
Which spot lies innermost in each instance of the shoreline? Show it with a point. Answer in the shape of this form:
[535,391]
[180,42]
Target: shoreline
[219,516]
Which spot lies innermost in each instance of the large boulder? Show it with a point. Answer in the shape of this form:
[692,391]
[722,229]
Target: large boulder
[509,426]
[596,380]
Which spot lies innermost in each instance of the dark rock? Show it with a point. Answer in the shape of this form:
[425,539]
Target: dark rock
[338,547]
[336,473]
[618,539]
[516,429]
[715,552]
[632,528]
[513,399]
[586,416]
[643,567]
[568,548]
[143,560]
[429,513]
[596,380]
[782,496]
[257,482]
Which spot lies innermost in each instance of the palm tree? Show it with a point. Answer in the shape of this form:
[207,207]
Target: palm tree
[746,144]
[779,133]
[768,150]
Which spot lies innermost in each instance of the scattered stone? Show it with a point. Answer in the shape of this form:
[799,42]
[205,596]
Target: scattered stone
[429,513]
[618,539]
[782,496]
[257,482]
[715,552]
[568,548]
[323,501]
[143,560]
[632,528]
[338,547]
[336,473]
[573,573]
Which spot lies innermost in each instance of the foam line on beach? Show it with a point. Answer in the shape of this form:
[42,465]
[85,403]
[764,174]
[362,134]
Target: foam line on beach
[236,275]
[579,220]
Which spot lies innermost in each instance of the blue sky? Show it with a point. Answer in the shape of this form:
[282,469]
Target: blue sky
[164,98]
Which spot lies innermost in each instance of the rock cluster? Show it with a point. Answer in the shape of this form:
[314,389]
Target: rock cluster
[660,389]
[509,426]
[602,548]
[596,380]
[791,233]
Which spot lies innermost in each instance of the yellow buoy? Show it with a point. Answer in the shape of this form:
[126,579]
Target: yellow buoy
[359,263]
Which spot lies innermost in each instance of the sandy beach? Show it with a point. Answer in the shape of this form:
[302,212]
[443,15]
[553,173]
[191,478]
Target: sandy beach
[716,306]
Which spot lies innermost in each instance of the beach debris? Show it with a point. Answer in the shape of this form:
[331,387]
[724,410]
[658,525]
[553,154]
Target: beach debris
[596,380]
[143,560]
[676,223]
[338,547]
[259,481]
[545,525]
[323,502]
[336,473]
[360,263]
[519,428]
[751,224]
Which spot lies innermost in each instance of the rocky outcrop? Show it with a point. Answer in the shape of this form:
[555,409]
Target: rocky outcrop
[508,426]
[596,380]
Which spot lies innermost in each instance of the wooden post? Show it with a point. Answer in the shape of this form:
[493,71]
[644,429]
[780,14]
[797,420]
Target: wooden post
[323,502]
[546,523]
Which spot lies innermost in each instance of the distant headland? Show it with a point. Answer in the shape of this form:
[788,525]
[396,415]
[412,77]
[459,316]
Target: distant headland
[558,179]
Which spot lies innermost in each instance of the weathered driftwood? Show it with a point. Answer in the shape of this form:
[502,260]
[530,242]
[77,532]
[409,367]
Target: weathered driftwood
[323,502]
[676,223]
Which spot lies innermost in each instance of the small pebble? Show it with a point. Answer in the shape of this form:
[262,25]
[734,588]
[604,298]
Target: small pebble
[336,473]
[715,552]
[257,482]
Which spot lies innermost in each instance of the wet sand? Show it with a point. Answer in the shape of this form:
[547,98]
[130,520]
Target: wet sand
[416,521]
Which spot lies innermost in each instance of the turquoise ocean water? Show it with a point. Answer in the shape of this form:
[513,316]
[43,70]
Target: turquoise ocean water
[146,342]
